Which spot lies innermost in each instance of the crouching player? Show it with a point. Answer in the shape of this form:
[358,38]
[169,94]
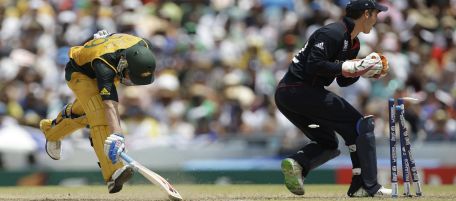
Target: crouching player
[92,74]
[301,96]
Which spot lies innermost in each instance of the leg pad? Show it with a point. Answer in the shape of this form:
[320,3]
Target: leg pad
[62,129]
[366,152]
[98,135]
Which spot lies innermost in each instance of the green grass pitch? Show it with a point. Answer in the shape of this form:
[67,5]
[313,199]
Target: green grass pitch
[205,192]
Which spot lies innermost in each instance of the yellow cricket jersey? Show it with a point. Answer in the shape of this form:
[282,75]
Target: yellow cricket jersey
[106,49]
[98,59]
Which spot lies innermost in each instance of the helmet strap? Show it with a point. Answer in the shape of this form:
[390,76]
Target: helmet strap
[122,68]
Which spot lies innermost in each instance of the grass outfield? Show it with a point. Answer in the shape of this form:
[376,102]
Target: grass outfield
[204,192]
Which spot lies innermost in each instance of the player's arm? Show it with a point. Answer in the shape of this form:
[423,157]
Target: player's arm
[112,115]
[322,50]
[107,89]
[115,143]
[346,81]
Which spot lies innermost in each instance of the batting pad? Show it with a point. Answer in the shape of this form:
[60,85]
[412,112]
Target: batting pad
[99,135]
[63,128]
[87,95]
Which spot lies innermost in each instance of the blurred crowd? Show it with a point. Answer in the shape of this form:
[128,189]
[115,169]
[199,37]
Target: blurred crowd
[220,60]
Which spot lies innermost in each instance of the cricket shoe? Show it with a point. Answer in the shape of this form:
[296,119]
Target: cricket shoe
[292,172]
[361,192]
[382,192]
[53,148]
[119,177]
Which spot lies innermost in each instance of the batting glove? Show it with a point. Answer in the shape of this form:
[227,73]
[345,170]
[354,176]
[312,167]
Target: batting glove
[101,34]
[113,146]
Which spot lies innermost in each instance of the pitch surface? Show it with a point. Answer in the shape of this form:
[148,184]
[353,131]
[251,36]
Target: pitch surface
[204,193]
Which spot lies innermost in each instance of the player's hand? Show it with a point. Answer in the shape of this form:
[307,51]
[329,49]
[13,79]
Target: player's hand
[113,146]
[377,71]
[356,68]
[101,34]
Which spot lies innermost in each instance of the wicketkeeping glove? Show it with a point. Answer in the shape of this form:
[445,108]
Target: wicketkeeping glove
[113,146]
[358,67]
[377,71]
[101,34]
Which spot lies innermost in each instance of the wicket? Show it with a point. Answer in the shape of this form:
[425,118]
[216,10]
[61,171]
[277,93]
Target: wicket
[396,113]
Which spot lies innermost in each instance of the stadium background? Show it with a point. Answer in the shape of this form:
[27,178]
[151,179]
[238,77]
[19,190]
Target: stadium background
[210,117]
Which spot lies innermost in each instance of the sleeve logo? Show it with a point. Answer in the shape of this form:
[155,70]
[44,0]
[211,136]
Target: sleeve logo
[105,92]
[320,45]
[145,74]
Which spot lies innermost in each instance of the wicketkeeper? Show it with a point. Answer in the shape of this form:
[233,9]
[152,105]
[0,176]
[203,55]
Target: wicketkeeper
[301,96]
[92,74]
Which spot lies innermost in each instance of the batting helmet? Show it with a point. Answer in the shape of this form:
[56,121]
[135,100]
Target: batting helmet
[138,62]
[364,5]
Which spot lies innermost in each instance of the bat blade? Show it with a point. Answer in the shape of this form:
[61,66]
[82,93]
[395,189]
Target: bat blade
[159,181]
[154,178]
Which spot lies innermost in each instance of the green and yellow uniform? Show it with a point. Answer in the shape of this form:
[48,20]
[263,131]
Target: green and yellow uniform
[92,75]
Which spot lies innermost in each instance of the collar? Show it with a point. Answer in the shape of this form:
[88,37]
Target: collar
[349,24]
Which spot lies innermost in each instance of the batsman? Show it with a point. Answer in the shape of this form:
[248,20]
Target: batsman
[330,54]
[94,71]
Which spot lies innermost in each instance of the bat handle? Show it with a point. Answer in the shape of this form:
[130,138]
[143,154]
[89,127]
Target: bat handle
[126,158]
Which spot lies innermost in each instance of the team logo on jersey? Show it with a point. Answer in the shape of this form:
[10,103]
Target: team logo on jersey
[345,45]
[105,92]
[320,45]
[145,74]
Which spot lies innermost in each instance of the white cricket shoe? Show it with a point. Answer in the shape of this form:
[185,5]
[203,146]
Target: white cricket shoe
[292,173]
[382,192]
[360,193]
[53,148]
[119,177]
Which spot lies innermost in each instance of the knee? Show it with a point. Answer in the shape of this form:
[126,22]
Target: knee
[95,111]
[329,145]
[365,129]
[365,125]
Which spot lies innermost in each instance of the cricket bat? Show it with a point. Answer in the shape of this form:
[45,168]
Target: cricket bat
[153,177]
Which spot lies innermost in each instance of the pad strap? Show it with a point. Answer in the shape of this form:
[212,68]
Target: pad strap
[66,112]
